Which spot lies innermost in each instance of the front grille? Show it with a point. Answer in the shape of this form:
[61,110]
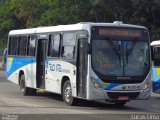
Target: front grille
[124,81]
[115,79]
[115,95]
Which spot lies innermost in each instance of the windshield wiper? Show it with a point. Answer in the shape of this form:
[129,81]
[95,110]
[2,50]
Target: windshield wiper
[129,51]
[115,50]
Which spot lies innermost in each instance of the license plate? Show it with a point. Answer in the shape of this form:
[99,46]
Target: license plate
[123,98]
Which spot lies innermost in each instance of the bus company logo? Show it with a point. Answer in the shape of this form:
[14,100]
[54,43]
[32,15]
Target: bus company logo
[59,68]
[55,67]
[52,67]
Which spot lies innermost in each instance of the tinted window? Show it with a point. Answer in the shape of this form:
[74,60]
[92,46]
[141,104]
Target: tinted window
[157,53]
[54,46]
[22,45]
[32,46]
[156,56]
[13,42]
[68,45]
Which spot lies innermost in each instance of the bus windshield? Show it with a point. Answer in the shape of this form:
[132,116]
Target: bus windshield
[120,52]
[120,58]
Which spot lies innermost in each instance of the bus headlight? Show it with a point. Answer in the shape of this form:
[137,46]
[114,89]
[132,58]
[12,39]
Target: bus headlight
[96,84]
[146,86]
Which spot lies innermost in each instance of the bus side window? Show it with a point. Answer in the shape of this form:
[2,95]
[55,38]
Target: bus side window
[68,45]
[54,46]
[32,46]
[13,42]
[22,45]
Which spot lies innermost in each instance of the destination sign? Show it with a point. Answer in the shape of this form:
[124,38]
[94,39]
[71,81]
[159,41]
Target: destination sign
[101,32]
[119,32]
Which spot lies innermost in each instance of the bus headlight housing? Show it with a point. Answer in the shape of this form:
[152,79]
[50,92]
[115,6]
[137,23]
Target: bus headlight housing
[96,84]
[146,85]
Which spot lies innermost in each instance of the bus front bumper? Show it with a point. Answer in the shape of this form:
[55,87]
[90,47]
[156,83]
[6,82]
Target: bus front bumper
[112,95]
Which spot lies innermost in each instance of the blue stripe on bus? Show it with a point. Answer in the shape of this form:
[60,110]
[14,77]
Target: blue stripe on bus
[16,63]
[155,76]
[111,86]
[156,80]
[156,86]
[108,86]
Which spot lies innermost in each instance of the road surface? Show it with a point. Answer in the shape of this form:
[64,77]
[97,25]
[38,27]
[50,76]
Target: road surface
[13,102]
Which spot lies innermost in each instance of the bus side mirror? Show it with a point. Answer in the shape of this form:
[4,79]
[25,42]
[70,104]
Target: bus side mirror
[156,56]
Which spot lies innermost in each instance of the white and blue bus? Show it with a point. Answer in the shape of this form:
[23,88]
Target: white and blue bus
[92,61]
[155,50]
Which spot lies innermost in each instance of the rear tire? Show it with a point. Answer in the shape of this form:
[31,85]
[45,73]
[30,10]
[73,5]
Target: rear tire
[25,90]
[67,94]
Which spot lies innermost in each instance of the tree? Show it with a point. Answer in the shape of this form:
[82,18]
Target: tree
[17,14]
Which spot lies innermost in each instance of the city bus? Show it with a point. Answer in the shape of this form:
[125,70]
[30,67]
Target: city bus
[155,50]
[92,61]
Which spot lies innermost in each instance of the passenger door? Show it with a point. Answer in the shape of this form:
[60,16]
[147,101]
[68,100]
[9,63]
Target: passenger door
[82,62]
[41,56]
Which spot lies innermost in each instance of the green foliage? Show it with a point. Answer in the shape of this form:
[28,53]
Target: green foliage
[17,14]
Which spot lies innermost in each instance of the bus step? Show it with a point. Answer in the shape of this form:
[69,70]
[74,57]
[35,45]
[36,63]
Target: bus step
[40,90]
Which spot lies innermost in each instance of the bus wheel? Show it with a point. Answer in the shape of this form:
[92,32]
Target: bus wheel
[23,88]
[67,94]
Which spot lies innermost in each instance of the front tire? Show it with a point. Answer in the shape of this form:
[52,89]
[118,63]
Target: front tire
[67,94]
[25,90]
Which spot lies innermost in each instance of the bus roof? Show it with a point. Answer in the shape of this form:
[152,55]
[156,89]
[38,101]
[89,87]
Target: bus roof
[22,31]
[70,27]
[155,43]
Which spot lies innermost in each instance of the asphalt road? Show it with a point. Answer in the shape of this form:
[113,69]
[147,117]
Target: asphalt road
[13,102]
